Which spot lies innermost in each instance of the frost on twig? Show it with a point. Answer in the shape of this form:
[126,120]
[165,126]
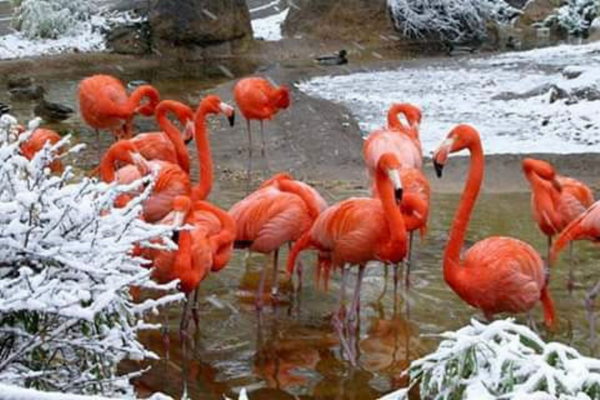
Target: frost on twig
[454,21]
[66,315]
[502,360]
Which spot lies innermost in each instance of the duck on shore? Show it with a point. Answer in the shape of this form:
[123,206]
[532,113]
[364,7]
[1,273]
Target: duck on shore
[340,58]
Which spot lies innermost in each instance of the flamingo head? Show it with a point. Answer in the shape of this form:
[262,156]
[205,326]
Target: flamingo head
[212,104]
[390,166]
[125,153]
[282,98]
[461,137]
[543,170]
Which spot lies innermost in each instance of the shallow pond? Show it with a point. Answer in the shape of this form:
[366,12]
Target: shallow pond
[292,350]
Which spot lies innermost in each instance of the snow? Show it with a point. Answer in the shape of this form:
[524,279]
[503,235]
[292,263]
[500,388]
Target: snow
[86,37]
[9,392]
[506,97]
[269,28]
[502,360]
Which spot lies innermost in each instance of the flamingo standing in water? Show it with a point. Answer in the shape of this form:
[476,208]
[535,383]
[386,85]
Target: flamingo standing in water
[279,212]
[359,230]
[555,201]
[417,192]
[104,104]
[258,99]
[37,141]
[585,227]
[497,274]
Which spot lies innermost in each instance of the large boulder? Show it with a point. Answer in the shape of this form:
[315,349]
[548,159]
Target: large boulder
[339,19]
[537,11]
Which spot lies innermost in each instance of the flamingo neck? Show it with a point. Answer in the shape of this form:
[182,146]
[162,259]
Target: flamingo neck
[288,185]
[106,168]
[183,156]
[462,217]
[228,229]
[182,268]
[395,249]
[395,123]
[205,182]
[143,92]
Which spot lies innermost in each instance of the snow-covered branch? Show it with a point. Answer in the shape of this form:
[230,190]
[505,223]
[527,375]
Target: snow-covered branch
[66,268]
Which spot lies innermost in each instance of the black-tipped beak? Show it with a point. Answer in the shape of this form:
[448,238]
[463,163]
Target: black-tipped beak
[175,237]
[231,119]
[188,141]
[438,168]
[398,194]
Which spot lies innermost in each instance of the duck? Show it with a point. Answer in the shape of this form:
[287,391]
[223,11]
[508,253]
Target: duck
[52,112]
[338,59]
[4,109]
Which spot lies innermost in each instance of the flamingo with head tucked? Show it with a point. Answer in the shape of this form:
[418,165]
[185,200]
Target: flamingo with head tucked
[555,201]
[37,141]
[279,212]
[258,99]
[497,274]
[359,230]
[105,104]
[413,117]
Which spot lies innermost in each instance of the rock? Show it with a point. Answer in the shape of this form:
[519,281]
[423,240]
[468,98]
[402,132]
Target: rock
[130,39]
[194,24]
[335,19]
[572,72]
[557,93]
[595,29]
[537,11]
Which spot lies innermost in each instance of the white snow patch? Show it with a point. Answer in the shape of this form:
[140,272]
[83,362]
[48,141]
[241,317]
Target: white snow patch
[489,93]
[269,28]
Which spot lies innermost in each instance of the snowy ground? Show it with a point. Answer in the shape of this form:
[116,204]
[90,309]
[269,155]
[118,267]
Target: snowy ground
[490,93]
[267,20]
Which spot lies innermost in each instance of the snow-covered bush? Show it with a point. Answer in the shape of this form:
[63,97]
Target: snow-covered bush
[575,16]
[49,19]
[449,20]
[502,360]
[66,316]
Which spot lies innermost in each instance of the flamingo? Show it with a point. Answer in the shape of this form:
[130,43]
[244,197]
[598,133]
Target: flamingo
[207,247]
[258,99]
[417,192]
[37,141]
[555,201]
[279,212]
[104,104]
[497,274]
[170,180]
[359,230]
[413,117]
[584,227]
[209,105]
[168,145]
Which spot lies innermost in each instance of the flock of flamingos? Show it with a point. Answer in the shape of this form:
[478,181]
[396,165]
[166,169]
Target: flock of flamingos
[496,275]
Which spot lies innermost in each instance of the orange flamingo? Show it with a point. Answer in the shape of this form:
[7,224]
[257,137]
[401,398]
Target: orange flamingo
[209,105]
[279,212]
[497,274]
[417,192]
[555,201]
[359,230]
[585,227]
[168,145]
[104,104]
[170,180]
[37,141]
[207,247]
[413,117]
[258,99]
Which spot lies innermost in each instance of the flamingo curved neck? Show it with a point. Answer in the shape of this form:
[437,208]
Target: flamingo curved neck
[106,168]
[134,101]
[183,156]
[396,246]
[452,269]
[205,182]
[292,187]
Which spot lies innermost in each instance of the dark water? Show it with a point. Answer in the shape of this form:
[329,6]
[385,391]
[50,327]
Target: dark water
[292,350]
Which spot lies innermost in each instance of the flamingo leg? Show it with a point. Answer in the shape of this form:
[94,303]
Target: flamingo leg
[589,306]
[164,331]
[386,273]
[275,281]
[249,171]
[262,138]
[341,306]
[548,252]
[299,273]
[571,281]
[98,149]
[396,278]
[354,313]
[195,308]
[409,261]
[183,324]
[261,288]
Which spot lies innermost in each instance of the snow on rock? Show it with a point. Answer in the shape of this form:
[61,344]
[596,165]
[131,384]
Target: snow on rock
[507,97]
[66,267]
[269,28]
[502,360]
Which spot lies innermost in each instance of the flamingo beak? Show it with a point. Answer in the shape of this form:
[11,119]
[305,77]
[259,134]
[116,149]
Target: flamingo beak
[394,176]
[229,112]
[556,184]
[441,155]
[189,133]
[140,161]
